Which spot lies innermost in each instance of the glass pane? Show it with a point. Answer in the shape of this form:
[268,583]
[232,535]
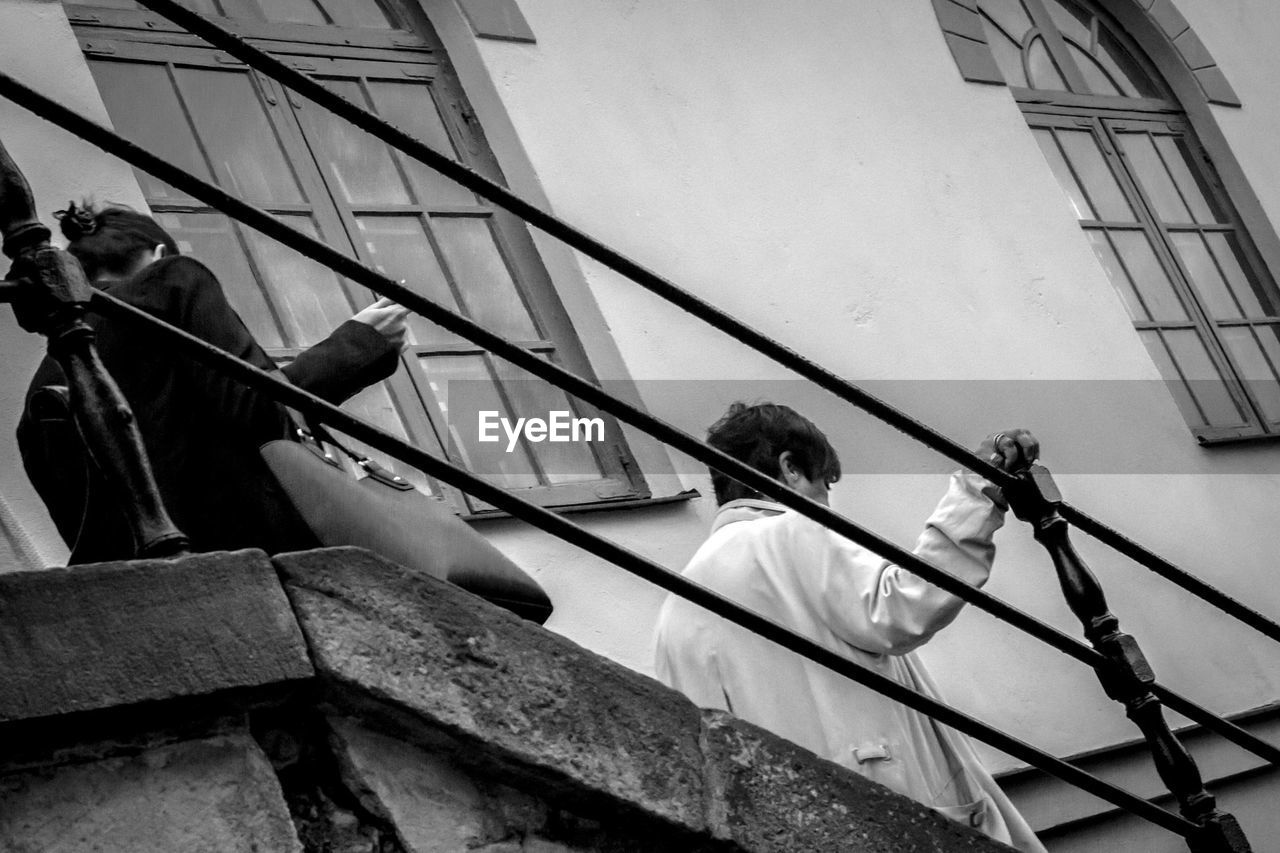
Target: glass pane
[561,461]
[1256,299]
[367,14]
[1010,15]
[357,167]
[1148,275]
[210,239]
[1269,336]
[1205,380]
[1043,73]
[1115,271]
[232,124]
[1086,158]
[1095,76]
[463,388]
[374,405]
[1154,177]
[482,277]
[293,11]
[399,248]
[410,107]
[1177,387]
[144,107]
[1075,196]
[1123,67]
[1007,53]
[1258,374]
[1190,182]
[1208,282]
[1072,21]
[307,294]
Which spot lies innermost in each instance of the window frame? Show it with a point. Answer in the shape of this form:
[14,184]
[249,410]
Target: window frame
[1105,116]
[108,34]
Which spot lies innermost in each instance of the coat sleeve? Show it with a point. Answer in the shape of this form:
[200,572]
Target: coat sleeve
[685,654]
[352,358]
[882,608]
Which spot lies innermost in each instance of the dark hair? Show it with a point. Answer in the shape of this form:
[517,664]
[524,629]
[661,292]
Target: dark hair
[109,239]
[758,435]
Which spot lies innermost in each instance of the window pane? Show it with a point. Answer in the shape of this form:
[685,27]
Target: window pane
[307,294]
[1115,271]
[1191,183]
[374,405]
[210,239]
[1269,337]
[1205,277]
[561,462]
[1257,299]
[357,167]
[293,11]
[400,250]
[1072,21]
[1075,196]
[1123,67]
[410,107]
[1086,158]
[1044,74]
[463,388]
[1177,387]
[1205,379]
[1095,76]
[144,107]
[1010,15]
[1258,375]
[1007,53]
[366,14]
[482,277]
[1148,275]
[1153,177]
[233,125]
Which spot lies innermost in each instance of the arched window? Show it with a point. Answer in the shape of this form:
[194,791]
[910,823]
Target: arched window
[1153,208]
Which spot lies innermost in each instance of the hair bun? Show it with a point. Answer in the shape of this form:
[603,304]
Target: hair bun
[77,222]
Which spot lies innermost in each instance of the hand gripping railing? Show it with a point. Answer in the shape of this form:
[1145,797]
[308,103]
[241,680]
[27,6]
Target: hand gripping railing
[656,284]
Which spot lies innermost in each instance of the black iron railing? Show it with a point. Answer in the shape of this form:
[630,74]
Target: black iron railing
[1115,657]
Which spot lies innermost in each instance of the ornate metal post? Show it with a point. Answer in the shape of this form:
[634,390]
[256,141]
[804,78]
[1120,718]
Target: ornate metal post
[49,293]
[1126,677]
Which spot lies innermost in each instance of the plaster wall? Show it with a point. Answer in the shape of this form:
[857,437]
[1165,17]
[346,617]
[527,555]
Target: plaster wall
[821,171]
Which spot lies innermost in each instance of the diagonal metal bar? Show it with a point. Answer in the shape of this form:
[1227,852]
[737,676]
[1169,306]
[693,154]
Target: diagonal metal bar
[320,410]
[218,198]
[669,291]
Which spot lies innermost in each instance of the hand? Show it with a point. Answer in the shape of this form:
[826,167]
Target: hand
[1011,450]
[387,318]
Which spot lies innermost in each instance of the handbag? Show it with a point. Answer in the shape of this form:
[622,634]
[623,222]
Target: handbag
[385,514]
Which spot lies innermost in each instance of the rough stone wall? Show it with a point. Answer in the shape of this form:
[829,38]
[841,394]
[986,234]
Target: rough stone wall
[332,702]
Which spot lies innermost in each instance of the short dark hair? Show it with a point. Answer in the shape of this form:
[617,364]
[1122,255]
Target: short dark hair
[109,239]
[758,434]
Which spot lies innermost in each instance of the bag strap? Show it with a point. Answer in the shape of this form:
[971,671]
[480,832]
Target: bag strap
[308,431]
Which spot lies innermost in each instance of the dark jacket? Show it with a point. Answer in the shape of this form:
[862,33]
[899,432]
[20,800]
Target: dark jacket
[202,429]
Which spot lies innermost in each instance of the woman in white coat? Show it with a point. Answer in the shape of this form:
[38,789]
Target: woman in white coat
[791,569]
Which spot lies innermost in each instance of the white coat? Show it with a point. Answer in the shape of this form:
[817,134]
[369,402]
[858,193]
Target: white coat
[791,569]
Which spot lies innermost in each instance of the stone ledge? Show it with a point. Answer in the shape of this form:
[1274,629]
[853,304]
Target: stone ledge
[114,634]
[456,675]
[526,699]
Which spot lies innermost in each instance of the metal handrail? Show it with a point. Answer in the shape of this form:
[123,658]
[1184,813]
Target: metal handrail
[320,410]
[259,220]
[653,282]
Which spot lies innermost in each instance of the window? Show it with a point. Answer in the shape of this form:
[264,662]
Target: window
[1152,207]
[218,119]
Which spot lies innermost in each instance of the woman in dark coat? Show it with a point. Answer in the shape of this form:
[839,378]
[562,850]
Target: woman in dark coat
[202,429]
